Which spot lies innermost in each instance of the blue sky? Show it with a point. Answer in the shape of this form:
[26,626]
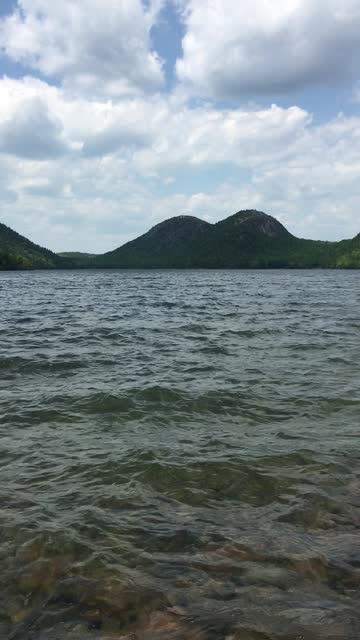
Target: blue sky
[116,114]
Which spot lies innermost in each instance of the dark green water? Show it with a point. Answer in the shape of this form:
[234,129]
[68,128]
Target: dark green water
[180,455]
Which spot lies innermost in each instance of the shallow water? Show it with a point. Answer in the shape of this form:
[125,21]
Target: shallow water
[180,455]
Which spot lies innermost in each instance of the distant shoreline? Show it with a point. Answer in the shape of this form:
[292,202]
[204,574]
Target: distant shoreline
[182,269]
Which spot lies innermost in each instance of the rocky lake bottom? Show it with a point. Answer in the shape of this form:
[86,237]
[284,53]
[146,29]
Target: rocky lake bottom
[180,455]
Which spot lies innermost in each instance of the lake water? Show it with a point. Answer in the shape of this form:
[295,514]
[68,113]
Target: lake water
[180,455]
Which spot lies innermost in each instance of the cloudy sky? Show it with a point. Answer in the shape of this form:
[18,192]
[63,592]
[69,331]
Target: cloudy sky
[117,114]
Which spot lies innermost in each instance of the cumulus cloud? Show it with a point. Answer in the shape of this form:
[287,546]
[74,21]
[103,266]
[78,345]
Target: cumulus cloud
[233,49]
[93,46]
[32,132]
[207,136]
[75,171]
[115,138]
[151,133]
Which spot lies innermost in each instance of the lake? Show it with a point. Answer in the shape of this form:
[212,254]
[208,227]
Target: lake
[180,455]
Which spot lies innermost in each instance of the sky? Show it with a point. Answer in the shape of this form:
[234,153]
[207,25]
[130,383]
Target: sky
[118,114]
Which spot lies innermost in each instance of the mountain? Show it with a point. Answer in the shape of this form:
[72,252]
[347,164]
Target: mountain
[174,243]
[247,239]
[17,252]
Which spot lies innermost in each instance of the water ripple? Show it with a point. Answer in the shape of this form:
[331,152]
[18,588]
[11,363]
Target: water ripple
[180,455]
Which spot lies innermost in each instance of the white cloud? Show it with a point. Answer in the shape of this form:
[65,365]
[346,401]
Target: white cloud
[234,49]
[31,132]
[94,46]
[207,136]
[120,162]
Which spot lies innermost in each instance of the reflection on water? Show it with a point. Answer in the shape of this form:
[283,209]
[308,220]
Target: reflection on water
[180,455]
